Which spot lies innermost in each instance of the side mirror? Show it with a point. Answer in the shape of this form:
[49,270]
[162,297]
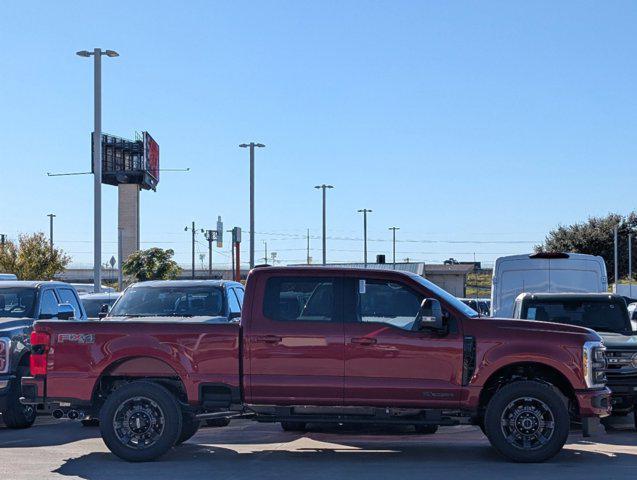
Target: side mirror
[65,311]
[104,309]
[234,316]
[430,315]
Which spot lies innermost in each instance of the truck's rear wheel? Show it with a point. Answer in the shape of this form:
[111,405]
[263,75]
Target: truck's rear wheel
[218,422]
[527,421]
[140,421]
[17,415]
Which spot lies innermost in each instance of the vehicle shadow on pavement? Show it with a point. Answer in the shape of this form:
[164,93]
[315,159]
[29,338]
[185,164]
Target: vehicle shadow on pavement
[305,457]
[45,435]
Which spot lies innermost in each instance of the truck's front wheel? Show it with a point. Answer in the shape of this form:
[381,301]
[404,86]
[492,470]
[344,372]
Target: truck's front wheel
[140,421]
[527,421]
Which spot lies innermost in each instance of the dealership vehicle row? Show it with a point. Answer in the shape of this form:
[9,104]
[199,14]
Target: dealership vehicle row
[325,345]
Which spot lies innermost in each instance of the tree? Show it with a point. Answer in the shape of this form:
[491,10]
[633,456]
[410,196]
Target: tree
[32,258]
[152,264]
[595,237]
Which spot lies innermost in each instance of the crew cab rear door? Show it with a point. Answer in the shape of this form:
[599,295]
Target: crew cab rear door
[295,341]
[387,364]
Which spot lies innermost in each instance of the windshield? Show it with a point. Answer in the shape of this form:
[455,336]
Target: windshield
[93,305]
[600,316]
[17,302]
[445,296]
[143,301]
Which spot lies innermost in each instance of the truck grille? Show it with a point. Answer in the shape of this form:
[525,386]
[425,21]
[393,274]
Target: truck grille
[621,363]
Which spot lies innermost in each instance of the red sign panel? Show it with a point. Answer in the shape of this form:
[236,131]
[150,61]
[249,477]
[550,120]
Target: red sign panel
[151,154]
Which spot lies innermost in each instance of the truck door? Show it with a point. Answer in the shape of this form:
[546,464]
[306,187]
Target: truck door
[386,362]
[295,342]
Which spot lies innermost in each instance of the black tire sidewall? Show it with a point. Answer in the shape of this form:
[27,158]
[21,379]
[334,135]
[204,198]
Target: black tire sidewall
[189,426]
[172,420]
[541,391]
[14,416]
[293,426]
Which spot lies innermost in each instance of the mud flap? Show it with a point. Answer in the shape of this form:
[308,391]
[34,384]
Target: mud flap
[591,426]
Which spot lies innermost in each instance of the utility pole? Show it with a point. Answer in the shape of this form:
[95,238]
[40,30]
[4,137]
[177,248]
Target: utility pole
[265,255]
[308,246]
[97,160]
[192,229]
[365,211]
[616,235]
[210,236]
[324,187]
[231,252]
[251,145]
[120,260]
[393,229]
[51,217]
[630,264]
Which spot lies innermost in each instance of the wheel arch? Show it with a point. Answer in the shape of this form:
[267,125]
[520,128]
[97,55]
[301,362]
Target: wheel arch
[537,371]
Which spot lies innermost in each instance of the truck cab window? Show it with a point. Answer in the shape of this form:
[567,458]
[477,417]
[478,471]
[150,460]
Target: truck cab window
[387,302]
[68,296]
[299,299]
[48,304]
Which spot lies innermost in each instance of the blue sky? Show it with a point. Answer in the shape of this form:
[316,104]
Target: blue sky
[473,126]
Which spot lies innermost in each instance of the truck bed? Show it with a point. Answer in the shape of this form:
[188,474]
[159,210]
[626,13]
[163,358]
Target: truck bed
[199,354]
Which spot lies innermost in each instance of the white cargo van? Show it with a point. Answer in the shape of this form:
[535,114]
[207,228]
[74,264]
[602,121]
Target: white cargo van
[544,273]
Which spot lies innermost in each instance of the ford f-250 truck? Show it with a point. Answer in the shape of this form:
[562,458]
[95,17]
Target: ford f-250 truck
[318,344]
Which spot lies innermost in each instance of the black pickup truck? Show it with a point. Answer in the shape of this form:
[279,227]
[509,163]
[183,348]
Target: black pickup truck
[605,313]
[21,303]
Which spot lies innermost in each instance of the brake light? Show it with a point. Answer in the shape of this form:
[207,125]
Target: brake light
[4,355]
[40,343]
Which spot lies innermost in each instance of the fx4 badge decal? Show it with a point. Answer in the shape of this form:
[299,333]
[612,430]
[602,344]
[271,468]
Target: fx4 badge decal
[79,338]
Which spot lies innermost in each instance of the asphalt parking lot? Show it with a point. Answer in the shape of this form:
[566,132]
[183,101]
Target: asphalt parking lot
[64,449]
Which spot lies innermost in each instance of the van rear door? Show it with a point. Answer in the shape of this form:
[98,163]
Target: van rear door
[515,276]
[576,275]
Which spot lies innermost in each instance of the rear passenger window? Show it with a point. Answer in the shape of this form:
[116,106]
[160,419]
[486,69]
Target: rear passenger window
[300,299]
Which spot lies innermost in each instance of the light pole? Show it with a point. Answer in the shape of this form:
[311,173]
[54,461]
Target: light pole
[324,187]
[251,145]
[615,248]
[51,217]
[97,160]
[365,211]
[393,229]
[194,232]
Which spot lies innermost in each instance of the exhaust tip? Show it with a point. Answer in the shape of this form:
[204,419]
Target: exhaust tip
[73,415]
[58,414]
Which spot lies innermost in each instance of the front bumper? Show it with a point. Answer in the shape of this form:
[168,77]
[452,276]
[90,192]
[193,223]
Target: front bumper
[594,403]
[624,393]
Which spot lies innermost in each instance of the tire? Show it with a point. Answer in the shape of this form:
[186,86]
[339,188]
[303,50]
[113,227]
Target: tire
[293,426]
[140,421]
[189,426]
[218,422]
[527,421]
[17,415]
[426,429]
[91,422]
[635,417]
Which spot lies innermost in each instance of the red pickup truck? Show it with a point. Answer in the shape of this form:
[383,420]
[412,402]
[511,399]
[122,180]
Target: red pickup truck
[317,345]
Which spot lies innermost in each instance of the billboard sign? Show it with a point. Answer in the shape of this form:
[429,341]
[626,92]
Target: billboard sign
[151,156]
[219,232]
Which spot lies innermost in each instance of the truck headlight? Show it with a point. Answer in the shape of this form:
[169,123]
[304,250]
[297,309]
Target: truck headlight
[594,364]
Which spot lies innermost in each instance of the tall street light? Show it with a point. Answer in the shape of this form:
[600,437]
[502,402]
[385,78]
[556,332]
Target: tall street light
[393,229]
[324,188]
[365,211]
[51,217]
[97,160]
[251,145]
